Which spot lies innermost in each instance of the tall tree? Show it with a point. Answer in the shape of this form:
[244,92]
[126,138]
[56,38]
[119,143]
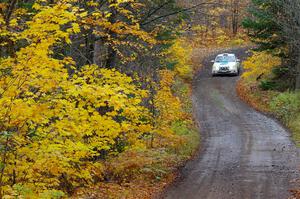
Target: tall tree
[274,25]
[289,20]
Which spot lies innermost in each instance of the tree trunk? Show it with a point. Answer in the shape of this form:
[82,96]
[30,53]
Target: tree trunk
[100,53]
[89,51]
[297,85]
[111,58]
[111,53]
[235,17]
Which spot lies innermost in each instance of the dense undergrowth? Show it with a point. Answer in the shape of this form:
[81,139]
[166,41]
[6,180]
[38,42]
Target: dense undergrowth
[261,94]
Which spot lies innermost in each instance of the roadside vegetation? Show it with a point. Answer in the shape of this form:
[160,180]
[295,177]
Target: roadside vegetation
[271,80]
[95,99]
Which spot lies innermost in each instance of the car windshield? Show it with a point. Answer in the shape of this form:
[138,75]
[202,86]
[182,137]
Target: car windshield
[223,58]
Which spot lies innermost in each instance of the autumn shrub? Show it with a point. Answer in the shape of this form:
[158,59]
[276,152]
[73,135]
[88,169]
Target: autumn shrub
[182,90]
[150,164]
[68,151]
[58,129]
[259,88]
[180,54]
[174,125]
[294,125]
[222,38]
[259,71]
[186,138]
[128,165]
[217,37]
[238,42]
[260,65]
[190,137]
[268,85]
[169,109]
[286,106]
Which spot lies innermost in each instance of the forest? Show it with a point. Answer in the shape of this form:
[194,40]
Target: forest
[95,95]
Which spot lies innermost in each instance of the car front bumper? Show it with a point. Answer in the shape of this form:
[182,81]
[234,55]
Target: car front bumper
[219,72]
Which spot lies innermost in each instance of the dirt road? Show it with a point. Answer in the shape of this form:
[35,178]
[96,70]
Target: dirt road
[245,154]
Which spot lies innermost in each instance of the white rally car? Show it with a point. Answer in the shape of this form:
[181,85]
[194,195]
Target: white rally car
[226,64]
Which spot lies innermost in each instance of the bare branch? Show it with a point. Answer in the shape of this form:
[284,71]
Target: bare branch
[179,11]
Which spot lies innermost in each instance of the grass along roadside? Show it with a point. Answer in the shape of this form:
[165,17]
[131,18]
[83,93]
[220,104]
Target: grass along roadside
[285,106]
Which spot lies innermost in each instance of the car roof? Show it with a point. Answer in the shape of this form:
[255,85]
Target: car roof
[226,54]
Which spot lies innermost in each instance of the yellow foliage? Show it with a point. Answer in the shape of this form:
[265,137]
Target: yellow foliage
[216,37]
[168,106]
[180,54]
[54,127]
[100,21]
[260,63]
[222,38]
